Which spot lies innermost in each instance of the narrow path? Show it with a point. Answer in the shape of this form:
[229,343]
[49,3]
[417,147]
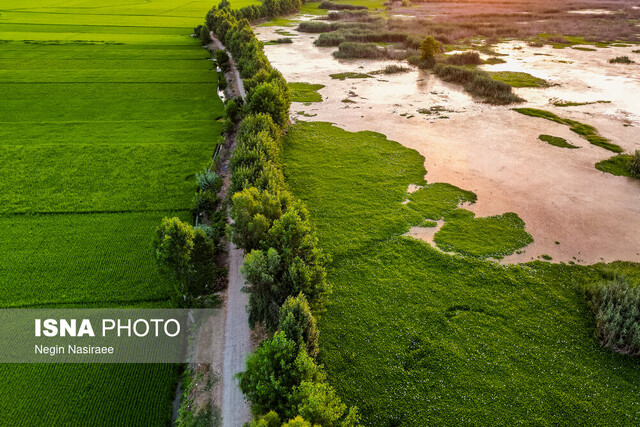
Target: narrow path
[237,335]
[237,344]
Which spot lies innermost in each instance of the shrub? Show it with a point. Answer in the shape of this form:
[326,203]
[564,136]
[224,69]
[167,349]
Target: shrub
[298,324]
[477,83]
[392,69]
[316,27]
[621,60]
[359,50]
[205,202]
[465,58]
[325,4]
[329,39]
[209,181]
[616,304]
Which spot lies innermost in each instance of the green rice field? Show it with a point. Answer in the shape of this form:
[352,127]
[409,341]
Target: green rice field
[108,109]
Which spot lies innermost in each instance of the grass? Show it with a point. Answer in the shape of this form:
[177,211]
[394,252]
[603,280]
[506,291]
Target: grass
[585,49]
[349,75]
[561,103]
[392,69]
[518,79]
[619,165]
[305,92]
[106,114]
[494,236]
[478,83]
[556,141]
[413,334]
[586,131]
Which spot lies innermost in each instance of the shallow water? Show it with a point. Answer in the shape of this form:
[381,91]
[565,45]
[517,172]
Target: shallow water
[494,151]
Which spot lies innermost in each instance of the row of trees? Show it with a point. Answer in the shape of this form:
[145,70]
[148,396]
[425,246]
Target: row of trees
[283,264]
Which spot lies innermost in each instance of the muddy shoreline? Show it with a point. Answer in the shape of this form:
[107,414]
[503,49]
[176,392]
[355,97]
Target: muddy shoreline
[494,151]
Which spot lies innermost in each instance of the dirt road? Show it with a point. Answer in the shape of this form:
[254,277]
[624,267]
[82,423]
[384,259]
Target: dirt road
[237,335]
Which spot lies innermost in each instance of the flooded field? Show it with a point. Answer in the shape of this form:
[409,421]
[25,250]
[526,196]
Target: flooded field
[573,211]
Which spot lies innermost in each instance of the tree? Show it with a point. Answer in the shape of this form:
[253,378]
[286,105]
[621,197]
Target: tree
[298,324]
[271,99]
[204,269]
[271,419]
[254,212]
[303,262]
[429,48]
[298,422]
[172,244]
[320,405]
[262,271]
[273,373]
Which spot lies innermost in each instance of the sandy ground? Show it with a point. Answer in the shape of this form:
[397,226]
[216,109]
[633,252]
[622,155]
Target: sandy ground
[494,151]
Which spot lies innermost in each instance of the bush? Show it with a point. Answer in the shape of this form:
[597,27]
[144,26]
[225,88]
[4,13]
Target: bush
[209,181]
[616,305]
[477,83]
[316,27]
[635,164]
[359,50]
[325,4]
[392,69]
[329,39]
[205,202]
[466,58]
[621,60]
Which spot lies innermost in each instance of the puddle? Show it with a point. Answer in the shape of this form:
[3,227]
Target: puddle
[592,12]
[494,151]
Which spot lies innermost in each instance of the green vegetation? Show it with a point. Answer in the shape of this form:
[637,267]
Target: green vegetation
[518,79]
[350,75]
[325,4]
[413,334]
[478,83]
[392,69]
[556,141]
[494,236]
[621,165]
[465,58]
[106,116]
[585,49]
[615,304]
[621,60]
[586,131]
[305,92]
[561,103]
